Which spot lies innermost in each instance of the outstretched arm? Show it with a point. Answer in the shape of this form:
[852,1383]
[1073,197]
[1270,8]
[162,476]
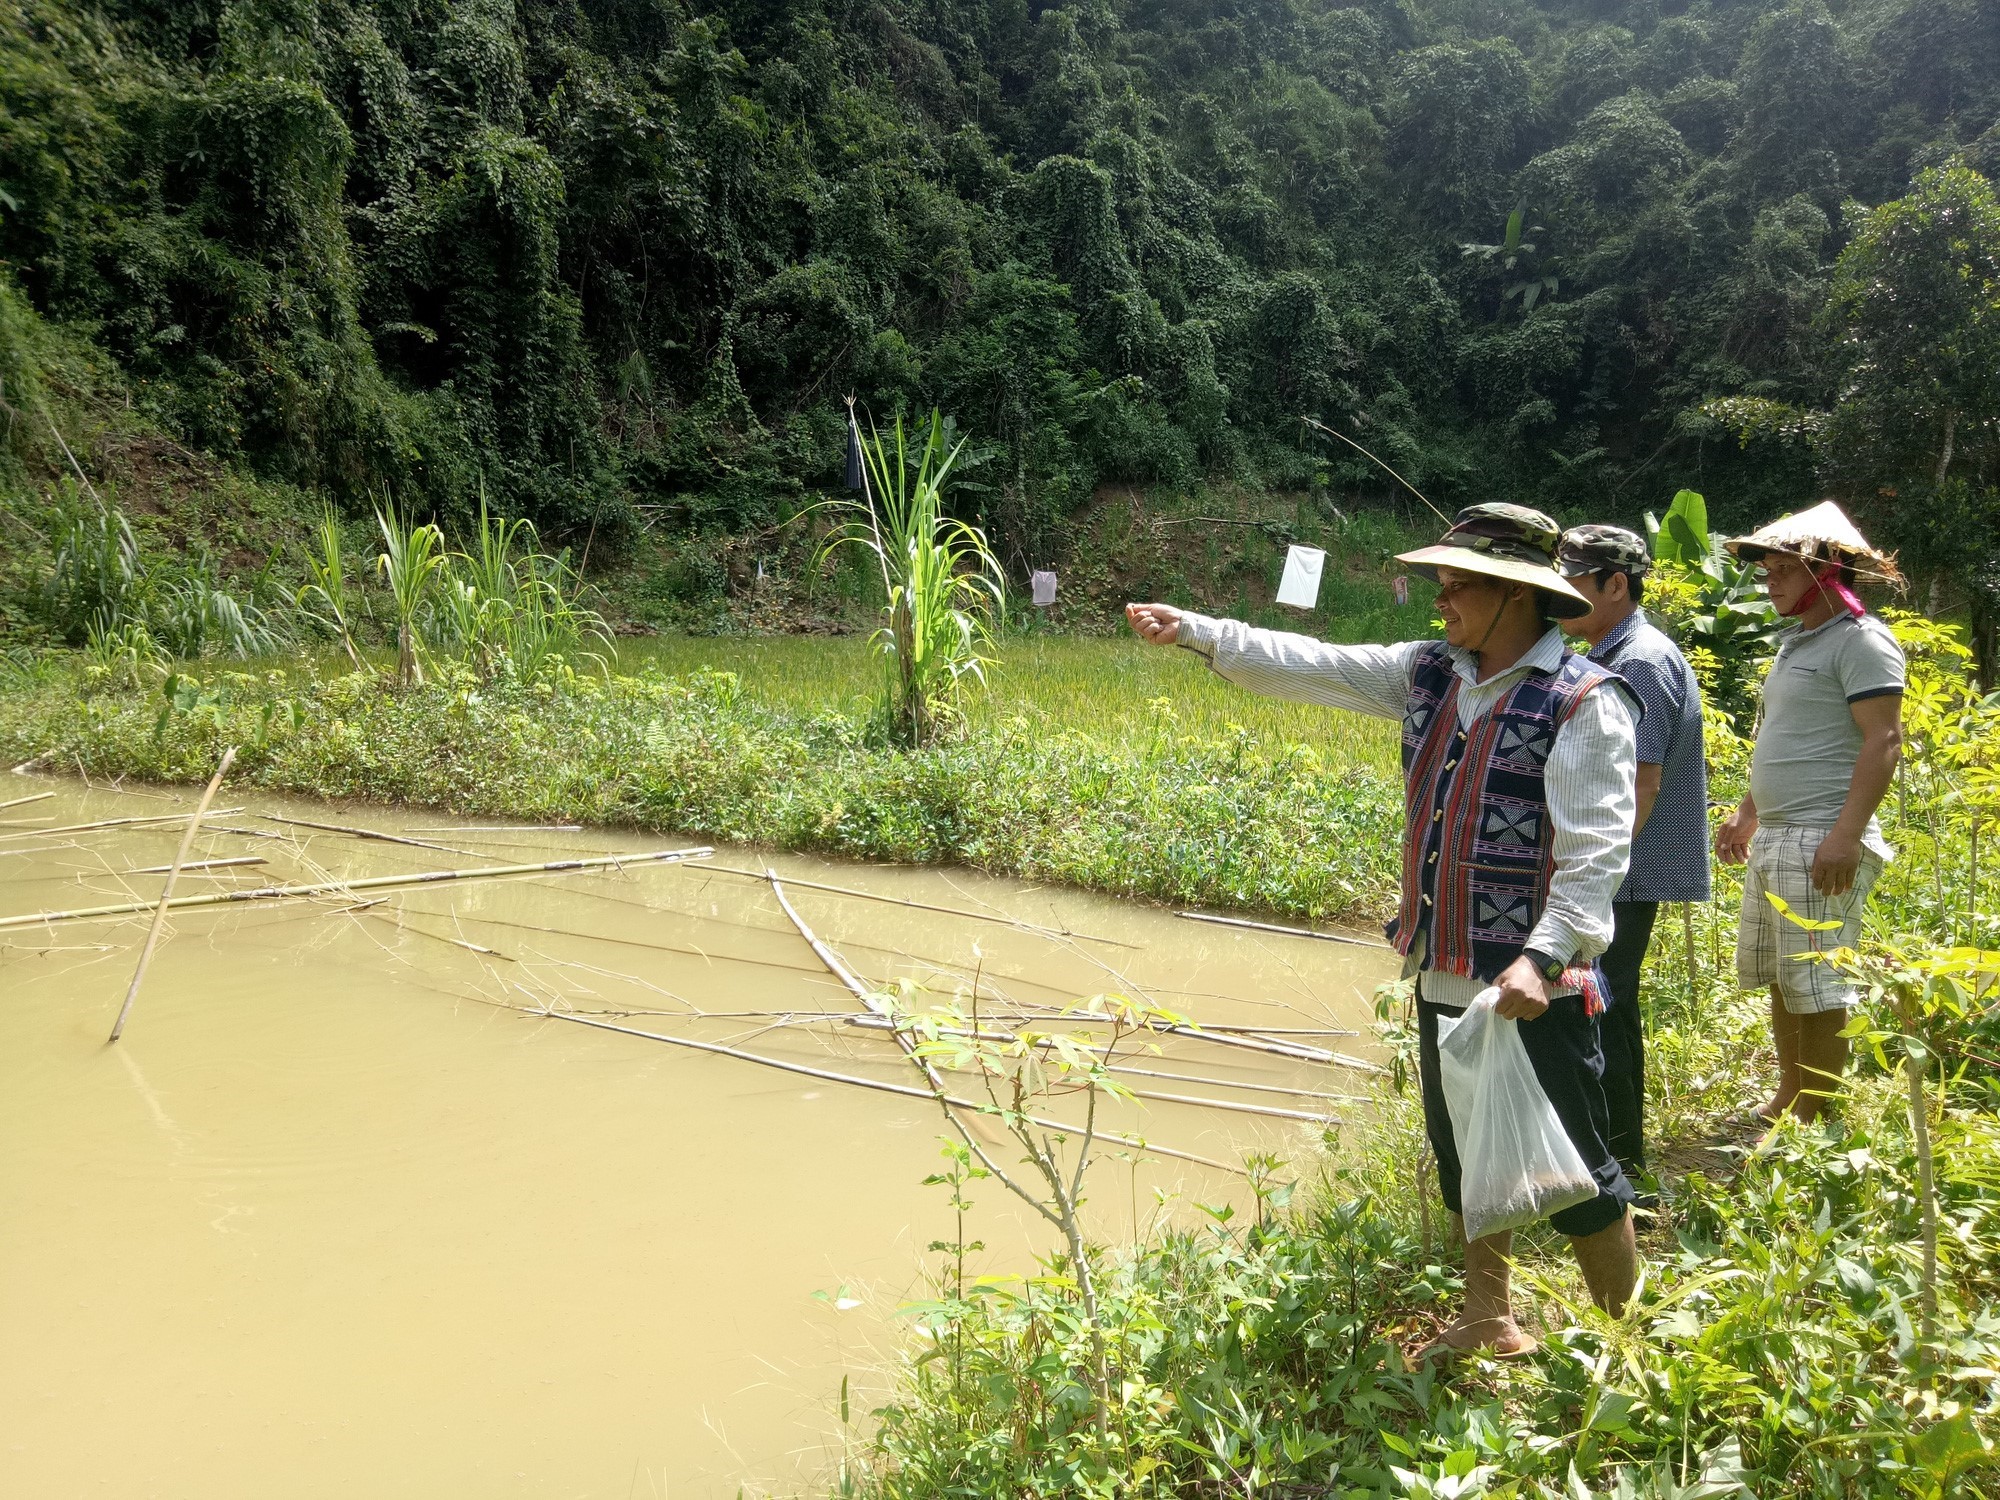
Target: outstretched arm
[1364,679]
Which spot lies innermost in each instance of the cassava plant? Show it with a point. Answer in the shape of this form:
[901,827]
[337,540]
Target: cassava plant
[942,584]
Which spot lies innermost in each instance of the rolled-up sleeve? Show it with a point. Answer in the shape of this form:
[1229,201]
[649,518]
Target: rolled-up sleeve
[1363,679]
[1590,783]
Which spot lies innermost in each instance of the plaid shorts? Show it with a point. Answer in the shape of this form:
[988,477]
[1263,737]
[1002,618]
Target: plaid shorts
[1770,949]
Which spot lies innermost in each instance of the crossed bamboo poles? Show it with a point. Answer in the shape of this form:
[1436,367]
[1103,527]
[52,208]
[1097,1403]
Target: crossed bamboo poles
[874,1015]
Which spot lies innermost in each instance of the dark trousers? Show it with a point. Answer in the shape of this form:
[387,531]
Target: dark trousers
[1623,1029]
[1562,1047]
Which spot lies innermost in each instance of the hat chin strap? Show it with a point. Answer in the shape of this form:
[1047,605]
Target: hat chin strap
[1491,625]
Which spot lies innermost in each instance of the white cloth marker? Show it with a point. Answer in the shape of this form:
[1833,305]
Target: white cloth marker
[1044,585]
[1401,584]
[1300,585]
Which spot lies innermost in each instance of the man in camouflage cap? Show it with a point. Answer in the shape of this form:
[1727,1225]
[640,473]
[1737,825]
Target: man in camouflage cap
[1608,566]
[1518,769]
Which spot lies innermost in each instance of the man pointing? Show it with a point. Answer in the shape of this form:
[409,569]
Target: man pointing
[1519,786]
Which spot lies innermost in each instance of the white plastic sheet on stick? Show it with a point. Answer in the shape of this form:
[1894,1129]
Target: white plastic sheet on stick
[1517,1163]
[1300,584]
[1043,586]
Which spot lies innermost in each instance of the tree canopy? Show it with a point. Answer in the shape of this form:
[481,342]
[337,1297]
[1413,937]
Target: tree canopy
[634,252]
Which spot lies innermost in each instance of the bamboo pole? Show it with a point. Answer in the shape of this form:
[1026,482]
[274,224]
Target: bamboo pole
[363,833]
[950,911]
[167,891]
[1304,932]
[873,1001]
[907,1091]
[370,883]
[154,819]
[504,828]
[21,801]
[1153,1097]
[201,864]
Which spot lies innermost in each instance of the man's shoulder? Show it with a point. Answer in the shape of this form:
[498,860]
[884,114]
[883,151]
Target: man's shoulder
[1874,636]
[1650,643]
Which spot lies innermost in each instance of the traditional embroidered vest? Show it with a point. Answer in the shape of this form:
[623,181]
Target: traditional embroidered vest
[1476,839]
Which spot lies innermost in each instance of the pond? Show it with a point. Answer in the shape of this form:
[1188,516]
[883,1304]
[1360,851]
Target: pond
[351,1210]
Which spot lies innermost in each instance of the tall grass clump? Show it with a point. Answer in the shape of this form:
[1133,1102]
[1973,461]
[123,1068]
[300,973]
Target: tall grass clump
[411,564]
[943,586]
[103,593]
[508,606]
[324,598]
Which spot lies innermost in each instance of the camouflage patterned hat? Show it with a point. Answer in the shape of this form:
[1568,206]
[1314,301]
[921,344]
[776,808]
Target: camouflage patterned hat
[1598,549]
[1509,542]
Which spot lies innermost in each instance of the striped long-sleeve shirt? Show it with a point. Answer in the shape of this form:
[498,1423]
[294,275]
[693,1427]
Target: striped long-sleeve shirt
[1590,778]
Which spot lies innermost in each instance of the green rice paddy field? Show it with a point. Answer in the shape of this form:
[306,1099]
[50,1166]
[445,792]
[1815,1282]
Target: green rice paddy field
[1110,690]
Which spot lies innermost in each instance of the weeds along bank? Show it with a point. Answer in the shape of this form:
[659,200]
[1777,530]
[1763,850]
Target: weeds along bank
[1160,814]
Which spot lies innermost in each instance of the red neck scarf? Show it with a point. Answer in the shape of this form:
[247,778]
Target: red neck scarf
[1827,581]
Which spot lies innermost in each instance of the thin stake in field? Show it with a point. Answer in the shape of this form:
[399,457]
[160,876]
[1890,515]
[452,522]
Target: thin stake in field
[167,891]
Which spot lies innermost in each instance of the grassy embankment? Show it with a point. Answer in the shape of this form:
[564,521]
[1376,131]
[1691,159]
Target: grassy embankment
[1078,778]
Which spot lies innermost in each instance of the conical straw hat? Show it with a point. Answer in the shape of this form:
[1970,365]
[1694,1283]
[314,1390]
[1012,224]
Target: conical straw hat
[1823,527]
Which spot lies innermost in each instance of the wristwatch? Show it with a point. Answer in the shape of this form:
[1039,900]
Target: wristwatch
[1549,968]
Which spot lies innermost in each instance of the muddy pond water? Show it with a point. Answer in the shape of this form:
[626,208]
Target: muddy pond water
[343,1215]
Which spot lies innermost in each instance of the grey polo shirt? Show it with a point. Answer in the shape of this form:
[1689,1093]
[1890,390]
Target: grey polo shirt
[1807,740]
[1670,855]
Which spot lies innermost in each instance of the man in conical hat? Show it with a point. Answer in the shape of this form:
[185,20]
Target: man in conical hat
[1828,740]
[1519,770]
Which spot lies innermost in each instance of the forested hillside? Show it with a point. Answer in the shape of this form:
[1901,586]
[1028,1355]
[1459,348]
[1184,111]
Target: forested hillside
[632,253]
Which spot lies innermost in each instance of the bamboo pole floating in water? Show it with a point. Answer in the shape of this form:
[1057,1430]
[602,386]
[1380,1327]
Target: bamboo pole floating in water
[200,864]
[873,1001]
[907,1091]
[1159,1098]
[1304,932]
[167,891]
[505,828]
[37,833]
[22,801]
[369,883]
[950,911]
[362,833]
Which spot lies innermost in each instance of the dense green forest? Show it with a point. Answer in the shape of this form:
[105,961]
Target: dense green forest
[623,259]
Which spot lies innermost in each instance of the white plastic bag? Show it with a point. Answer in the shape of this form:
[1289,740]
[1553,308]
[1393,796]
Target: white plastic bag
[1516,1161]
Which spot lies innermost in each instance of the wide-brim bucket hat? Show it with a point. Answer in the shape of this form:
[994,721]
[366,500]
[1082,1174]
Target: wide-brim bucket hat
[1820,532]
[1508,542]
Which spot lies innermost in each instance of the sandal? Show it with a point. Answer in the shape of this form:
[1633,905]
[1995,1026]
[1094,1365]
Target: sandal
[1441,1350]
